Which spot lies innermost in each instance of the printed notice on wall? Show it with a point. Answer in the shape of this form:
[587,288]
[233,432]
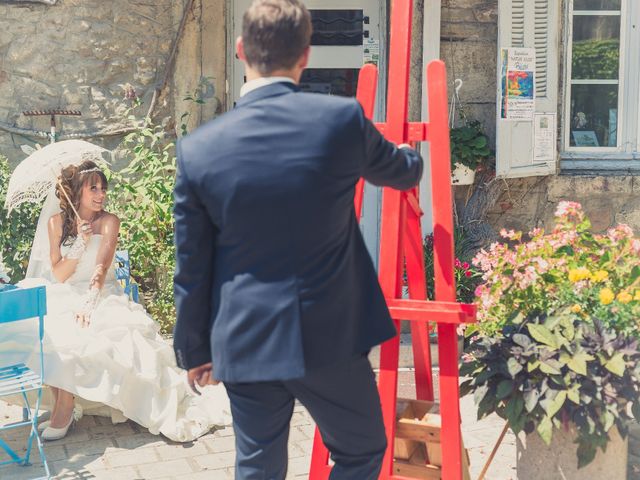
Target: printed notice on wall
[517,83]
[371,50]
[544,137]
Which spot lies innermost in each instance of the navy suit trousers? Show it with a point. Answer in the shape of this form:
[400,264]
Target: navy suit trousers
[342,399]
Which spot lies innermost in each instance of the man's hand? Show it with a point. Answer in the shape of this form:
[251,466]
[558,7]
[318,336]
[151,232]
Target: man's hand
[203,375]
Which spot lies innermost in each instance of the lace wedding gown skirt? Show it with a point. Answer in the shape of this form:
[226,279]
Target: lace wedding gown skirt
[119,365]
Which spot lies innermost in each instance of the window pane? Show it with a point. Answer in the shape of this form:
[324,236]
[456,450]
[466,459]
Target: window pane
[596,4]
[332,81]
[337,27]
[594,115]
[596,47]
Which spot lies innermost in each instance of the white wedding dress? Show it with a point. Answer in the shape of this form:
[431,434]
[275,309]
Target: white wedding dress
[119,365]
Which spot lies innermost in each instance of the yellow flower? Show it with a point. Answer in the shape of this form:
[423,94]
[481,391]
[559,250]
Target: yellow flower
[624,297]
[576,308]
[577,274]
[600,276]
[637,295]
[606,296]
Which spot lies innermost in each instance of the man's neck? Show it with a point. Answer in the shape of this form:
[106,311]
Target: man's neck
[254,75]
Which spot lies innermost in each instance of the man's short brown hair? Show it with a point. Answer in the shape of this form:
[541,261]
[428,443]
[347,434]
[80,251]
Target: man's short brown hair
[275,34]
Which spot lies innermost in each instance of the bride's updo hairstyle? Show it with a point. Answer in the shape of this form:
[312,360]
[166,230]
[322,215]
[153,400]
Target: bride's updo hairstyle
[72,179]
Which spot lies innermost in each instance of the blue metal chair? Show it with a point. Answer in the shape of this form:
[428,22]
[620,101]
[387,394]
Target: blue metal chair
[17,305]
[123,275]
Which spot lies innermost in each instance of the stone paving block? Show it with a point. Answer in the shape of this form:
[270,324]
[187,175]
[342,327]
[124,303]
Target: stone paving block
[300,418]
[298,466]
[224,432]
[213,461]
[92,447]
[161,469]
[120,473]
[308,430]
[220,444]
[139,440]
[79,465]
[168,452]
[133,457]
[208,475]
[296,434]
[110,431]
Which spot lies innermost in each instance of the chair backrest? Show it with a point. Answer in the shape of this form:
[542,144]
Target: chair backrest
[123,266]
[22,304]
[123,275]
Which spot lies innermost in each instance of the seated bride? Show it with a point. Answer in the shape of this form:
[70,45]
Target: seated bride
[102,350]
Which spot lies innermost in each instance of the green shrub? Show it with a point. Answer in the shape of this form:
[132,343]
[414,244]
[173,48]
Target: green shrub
[16,230]
[142,197]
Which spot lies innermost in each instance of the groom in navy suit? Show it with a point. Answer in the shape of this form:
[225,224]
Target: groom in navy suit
[276,294]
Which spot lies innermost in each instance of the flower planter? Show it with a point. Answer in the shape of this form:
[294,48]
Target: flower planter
[462,175]
[536,460]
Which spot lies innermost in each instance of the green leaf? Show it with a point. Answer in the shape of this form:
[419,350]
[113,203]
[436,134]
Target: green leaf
[514,367]
[545,429]
[578,363]
[550,369]
[531,366]
[542,335]
[480,393]
[616,364]
[556,403]
[504,389]
[513,412]
[521,339]
[586,454]
[531,399]
[573,394]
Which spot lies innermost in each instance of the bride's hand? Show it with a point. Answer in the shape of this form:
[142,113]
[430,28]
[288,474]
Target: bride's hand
[84,228]
[83,319]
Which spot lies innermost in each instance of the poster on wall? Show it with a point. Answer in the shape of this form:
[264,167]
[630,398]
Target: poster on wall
[371,51]
[517,83]
[544,137]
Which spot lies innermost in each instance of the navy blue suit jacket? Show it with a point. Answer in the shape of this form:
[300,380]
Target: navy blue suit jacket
[273,278]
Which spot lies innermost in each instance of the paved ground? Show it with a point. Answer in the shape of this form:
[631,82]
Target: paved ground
[96,449]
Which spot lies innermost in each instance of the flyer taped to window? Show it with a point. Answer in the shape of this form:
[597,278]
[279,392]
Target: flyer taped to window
[517,83]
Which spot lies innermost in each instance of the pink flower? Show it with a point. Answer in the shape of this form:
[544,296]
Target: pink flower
[566,209]
[636,246]
[467,273]
[465,265]
[457,263]
[620,232]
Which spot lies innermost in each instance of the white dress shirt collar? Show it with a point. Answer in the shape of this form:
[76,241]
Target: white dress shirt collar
[262,82]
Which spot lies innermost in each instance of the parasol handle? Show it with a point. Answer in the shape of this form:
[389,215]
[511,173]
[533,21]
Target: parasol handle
[69,200]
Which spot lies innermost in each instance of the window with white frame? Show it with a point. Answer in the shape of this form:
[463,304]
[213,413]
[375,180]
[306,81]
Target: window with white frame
[601,110]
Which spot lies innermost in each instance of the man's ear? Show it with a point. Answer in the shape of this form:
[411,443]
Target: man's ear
[240,49]
[304,59]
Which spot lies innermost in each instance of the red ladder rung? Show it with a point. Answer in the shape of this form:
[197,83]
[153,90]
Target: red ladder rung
[431,311]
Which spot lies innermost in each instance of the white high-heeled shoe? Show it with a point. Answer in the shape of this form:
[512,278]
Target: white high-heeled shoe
[43,426]
[49,433]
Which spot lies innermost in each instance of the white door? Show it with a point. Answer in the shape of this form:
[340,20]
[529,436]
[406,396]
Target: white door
[347,34]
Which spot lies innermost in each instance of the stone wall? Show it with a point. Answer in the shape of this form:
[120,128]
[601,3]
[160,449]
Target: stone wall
[468,46]
[81,54]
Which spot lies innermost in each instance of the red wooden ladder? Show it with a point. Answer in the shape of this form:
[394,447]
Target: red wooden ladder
[401,246]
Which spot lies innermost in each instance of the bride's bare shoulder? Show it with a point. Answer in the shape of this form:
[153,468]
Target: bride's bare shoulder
[108,221]
[56,221]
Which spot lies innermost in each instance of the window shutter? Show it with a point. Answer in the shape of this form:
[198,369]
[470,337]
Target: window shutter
[528,24]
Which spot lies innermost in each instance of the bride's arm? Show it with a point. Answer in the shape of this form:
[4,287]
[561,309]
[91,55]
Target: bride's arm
[107,250]
[62,267]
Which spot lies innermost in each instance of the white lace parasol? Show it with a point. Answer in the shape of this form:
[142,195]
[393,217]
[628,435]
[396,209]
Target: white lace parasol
[33,178]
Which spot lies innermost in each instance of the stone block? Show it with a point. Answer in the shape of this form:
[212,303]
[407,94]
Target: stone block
[214,461]
[474,63]
[165,469]
[133,457]
[630,214]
